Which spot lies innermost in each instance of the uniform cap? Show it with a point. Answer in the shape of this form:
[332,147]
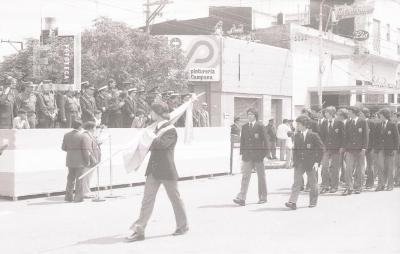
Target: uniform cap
[102,88]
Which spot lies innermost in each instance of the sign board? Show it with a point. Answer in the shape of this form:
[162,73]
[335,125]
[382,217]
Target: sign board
[67,59]
[203,54]
[360,35]
[350,11]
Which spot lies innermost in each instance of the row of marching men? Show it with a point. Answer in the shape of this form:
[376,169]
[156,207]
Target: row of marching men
[362,148]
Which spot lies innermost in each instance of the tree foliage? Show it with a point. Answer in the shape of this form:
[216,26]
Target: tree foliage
[109,50]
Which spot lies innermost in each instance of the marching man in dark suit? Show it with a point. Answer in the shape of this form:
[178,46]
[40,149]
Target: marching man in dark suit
[386,145]
[356,146]
[161,170]
[307,155]
[332,135]
[253,148]
[370,169]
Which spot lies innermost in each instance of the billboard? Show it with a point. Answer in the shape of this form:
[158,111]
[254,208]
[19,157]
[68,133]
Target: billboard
[203,54]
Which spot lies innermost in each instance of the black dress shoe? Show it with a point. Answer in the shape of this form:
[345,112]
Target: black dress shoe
[135,237]
[333,190]
[181,231]
[324,190]
[291,205]
[239,202]
[380,188]
[357,192]
[347,192]
[389,189]
[262,201]
[312,205]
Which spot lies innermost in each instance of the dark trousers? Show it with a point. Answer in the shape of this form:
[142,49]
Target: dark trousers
[247,168]
[385,169]
[298,182]
[73,183]
[272,149]
[370,170]
[342,164]
[330,169]
[354,165]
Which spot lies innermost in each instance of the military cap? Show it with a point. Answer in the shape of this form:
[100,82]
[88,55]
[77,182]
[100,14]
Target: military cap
[204,104]
[29,83]
[87,85]
[141,90]
[102,88]
[133,89]
[175,95]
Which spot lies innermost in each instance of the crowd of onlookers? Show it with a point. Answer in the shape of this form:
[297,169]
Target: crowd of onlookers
[31,106]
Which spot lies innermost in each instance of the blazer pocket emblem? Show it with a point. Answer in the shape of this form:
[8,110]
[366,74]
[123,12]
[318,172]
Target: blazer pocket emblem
[308,146]
[359,130]
[256,135]
[337,130]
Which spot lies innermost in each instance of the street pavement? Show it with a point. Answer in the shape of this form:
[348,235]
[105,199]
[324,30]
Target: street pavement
[365,223]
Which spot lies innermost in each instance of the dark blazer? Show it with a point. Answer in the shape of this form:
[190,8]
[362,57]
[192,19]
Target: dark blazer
[333,138]
[387,138]
[88,106]
[309,151]
[313,125]
[253,142]
[161,163]
[356,135]
[90,144]
[128,110]
[73,144]
[371,139]
[271,132]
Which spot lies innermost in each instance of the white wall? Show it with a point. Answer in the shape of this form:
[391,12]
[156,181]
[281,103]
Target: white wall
[264,69]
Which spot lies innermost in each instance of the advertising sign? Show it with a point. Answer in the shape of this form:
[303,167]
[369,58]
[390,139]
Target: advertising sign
[67,57]
[360,35]
[350,11]
[203,54]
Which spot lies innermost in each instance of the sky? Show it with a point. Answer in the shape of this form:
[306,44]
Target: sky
[21,19]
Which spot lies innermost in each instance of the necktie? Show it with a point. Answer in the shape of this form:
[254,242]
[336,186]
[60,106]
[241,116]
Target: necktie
[330,125]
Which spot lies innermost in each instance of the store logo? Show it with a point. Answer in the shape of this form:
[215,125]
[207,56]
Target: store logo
[204,53]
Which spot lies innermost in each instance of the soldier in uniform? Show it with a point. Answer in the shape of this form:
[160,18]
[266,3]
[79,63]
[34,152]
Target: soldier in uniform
[141,101]
[386,144]
[356,145]
[60,101]
[27,102]
[47,107]
[307,155]
[87,102]
[114,106]
[129,108]
[332,135]
[73,110]
[102,103]
[6,108]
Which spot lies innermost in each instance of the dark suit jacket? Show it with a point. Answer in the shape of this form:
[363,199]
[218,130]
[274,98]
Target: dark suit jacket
[386,139]
[161,163]
[253,142]
[356,135]
[271,132]
[309,151]
[333,138]
[313,125]
[371,139]
[90,144]
[73,144]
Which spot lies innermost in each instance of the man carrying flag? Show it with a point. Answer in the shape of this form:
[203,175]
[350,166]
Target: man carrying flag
[161,170]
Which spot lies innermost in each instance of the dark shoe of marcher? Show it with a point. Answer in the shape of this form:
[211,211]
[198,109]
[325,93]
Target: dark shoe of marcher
[134,237]
[357,192]
[68,199]
[308,189]
[262,201]
[181,231]
[291,205]
[312,205]
[380,188]
[324,190]
[333,190]
[389,189]
[78,200]
[239,202]
[347,192]
[302,188]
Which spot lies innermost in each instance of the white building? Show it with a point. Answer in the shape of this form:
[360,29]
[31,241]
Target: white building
[352,71]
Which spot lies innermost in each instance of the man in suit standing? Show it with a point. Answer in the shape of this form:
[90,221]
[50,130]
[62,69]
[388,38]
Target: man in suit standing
[356,146]
[161,170]
[307,155]
[386,144]
[77,160]
[92,147]
[332,135]
[271,132]
[253,148]
[87,102]
[370,154]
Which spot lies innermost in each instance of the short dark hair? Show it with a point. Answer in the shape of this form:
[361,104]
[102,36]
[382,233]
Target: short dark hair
[253,111]
[22,111]
[354,109]
[76,124]
[285,121]
[343,113]
[161,109]
[110,81]
[236,119]
[331,110]
[90,125]
[385,113]
[304,120]
[366,112]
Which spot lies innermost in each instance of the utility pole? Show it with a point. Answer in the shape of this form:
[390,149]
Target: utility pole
[150,16]
[321,60]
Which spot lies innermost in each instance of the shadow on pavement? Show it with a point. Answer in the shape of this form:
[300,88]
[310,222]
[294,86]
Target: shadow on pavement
[104,240]
[219,206]
[50,201]
[276,209]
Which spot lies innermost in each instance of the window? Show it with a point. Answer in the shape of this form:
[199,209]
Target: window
[398,98]
[376,33]
[391,98]
[388,32]
[359,82]
[359,98]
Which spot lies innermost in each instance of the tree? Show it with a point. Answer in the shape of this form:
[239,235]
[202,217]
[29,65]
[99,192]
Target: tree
[109,50]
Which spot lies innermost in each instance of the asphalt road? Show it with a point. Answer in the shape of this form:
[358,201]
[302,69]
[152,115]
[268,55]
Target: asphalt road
[365,223]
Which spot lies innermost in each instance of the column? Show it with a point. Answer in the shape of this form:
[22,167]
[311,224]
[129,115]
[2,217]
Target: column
[353,98]
[266,105]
